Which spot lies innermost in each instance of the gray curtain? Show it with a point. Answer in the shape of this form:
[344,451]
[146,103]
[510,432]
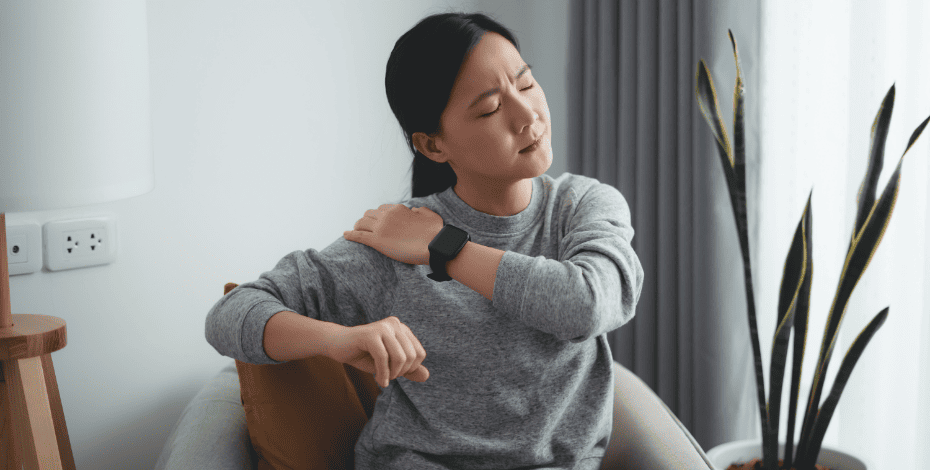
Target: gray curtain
[634,123]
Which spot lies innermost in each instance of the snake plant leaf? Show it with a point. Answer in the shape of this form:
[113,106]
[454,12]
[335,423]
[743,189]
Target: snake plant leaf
[829,405]
[793,276]
[739,139]
[916,134]
[707,101]
[737,183]
[800,333]
[863,247]
[734,171]
[865,198]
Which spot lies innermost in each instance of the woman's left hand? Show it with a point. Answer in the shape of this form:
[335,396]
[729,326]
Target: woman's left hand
[398,232]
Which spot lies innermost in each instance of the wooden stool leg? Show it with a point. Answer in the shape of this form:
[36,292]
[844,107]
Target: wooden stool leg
[58,414]
[11,457]
[32,416]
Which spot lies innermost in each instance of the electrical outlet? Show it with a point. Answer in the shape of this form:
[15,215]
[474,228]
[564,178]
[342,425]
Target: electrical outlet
[23,247]
[79,243]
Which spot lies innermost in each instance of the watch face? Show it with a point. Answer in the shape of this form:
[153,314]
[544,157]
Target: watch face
[449,241]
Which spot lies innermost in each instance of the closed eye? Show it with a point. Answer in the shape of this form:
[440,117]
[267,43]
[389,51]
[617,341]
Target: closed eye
[499,106]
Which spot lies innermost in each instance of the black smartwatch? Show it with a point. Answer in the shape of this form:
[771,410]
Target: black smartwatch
[444,248]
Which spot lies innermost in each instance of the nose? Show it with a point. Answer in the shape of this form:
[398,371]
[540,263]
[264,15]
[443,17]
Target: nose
[530,125]
[535,118]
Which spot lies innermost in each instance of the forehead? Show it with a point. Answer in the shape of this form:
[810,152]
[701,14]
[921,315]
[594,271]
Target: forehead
[492,60]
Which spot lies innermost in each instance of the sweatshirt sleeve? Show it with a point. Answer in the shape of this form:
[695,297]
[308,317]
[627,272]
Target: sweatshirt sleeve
[593,287]
[346,283]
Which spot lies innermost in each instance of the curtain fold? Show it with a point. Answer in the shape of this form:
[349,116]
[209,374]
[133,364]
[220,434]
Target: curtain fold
[815,75]
[634,124]
[631,124]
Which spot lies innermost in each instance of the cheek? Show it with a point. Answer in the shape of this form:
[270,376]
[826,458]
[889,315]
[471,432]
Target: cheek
[489,146]
[488,137]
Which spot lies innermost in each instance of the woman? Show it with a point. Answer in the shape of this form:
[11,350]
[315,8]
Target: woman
[508,366]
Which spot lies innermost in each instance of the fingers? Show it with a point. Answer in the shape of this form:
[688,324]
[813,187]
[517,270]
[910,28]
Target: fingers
[380,357]
[405,337]
[405,351]
[396,356]
[417,353]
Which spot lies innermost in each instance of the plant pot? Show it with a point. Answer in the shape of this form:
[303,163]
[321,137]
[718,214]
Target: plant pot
[738,452]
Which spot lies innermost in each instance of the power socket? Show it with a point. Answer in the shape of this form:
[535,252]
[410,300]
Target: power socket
[78,243]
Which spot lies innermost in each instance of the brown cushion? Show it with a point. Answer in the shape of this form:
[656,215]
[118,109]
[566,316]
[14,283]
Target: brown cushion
[305,413]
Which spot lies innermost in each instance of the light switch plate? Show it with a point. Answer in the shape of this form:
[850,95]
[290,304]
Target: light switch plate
[23,247]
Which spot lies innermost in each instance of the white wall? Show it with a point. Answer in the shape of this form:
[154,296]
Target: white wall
[271,133]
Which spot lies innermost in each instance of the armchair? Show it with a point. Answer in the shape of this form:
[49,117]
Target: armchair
[212,433]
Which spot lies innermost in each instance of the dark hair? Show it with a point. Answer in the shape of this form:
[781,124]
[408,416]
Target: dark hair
[420,74]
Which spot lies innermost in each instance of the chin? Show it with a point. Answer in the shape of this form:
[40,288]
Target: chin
[542,166]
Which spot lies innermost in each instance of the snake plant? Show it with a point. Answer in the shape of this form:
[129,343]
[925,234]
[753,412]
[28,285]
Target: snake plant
[871,221]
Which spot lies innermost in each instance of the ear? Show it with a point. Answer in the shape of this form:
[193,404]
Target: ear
[427,146]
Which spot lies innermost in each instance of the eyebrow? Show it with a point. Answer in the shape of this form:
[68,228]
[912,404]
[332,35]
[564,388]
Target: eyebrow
[496,90]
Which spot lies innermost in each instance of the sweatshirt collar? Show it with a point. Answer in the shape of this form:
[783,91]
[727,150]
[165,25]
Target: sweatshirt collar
[473,221]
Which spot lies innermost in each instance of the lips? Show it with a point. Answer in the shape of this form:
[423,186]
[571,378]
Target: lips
[532,144]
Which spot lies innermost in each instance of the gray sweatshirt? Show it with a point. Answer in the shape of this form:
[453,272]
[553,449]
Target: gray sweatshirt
[525,381]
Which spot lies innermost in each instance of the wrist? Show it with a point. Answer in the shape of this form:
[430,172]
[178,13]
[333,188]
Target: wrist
[432,236]
[335,340]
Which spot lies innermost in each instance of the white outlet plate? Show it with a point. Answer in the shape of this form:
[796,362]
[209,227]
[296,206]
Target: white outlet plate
[78,243]
[24,247]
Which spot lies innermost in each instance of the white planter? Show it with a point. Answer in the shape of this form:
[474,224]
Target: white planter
[729,453]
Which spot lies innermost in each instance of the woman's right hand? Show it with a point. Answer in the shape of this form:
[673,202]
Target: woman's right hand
[386,348]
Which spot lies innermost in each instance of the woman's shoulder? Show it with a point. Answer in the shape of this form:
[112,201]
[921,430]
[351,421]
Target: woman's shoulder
[574,181]
[569,186]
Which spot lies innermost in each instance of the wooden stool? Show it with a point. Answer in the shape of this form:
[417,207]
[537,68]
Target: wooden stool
[33,429]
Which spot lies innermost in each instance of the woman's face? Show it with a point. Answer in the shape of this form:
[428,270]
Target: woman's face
[490,117]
